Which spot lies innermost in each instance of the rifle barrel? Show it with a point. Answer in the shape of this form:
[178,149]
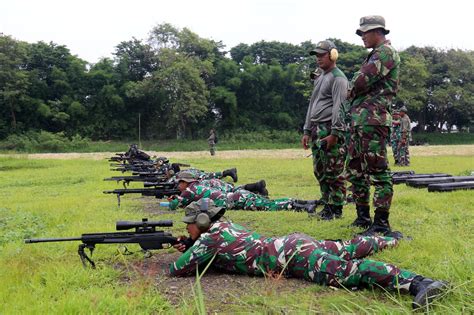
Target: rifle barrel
[43,240]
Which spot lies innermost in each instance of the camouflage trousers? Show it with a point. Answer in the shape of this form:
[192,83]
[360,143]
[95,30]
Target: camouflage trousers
[212,148]
[403,154]
[340,263]
[394,144]
[328,165]
[246,200]
[367,164]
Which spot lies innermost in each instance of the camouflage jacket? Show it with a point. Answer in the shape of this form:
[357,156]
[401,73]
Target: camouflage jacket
[236,249]
[374,87]
[214,189]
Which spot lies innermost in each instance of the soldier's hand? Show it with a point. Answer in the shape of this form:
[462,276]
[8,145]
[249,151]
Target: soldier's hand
[331,140]
[181,247]
[304,141]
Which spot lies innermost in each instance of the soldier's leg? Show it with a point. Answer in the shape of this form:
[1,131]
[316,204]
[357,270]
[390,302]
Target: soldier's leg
[356,168]
[358,247]
[318,132]
[325,268]
[246,200]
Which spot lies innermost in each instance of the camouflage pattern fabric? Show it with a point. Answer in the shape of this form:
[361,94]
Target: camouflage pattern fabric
[212,143]
[226,195]
[374,87]
[405,137]
[328,165]
[368,157]
[200,175]
[395,136]
[334,263]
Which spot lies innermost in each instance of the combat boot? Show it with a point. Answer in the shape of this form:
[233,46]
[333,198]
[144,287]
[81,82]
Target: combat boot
[258,187]
[326,212]
[363,219]
[425,290]
[232,173]
[334,212]
[380,224]
[310,208]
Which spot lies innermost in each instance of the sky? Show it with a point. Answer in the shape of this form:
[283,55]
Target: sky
[91,29]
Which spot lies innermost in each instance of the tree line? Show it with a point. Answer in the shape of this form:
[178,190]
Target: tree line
[179,85]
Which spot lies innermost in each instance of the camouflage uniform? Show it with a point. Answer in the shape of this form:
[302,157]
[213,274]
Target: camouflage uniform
[405,137]
[226,195]
[212,142]
[395,140]
[374,86]
[334,263]
[200,175]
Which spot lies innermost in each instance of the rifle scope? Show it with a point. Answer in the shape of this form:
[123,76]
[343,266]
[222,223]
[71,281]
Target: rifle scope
[143,225]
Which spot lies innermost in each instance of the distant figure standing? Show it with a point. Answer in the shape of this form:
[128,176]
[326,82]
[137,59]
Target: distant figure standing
[405,131]
[395,136]
[212,140]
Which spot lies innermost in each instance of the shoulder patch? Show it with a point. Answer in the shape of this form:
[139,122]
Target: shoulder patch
[336,72]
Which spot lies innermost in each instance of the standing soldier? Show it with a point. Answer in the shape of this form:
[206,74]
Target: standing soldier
[324,127]
[373,88]
[212,140]
[395,136]
[405,137]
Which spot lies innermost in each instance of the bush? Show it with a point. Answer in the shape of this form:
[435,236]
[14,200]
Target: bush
[43,141]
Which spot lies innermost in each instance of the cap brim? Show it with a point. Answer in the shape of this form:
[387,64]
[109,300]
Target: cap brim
[317,51]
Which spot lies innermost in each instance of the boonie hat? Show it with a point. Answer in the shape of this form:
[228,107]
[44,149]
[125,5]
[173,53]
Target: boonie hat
[202,205]
[323,47]
[403,109]
[371,22]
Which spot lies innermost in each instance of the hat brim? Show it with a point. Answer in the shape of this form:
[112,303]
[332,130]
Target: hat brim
[370,27]
[187,180]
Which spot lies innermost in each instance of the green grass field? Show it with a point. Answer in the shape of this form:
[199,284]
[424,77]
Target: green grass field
[43,198]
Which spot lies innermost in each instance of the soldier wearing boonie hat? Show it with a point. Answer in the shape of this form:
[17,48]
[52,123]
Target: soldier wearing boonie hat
[373,88]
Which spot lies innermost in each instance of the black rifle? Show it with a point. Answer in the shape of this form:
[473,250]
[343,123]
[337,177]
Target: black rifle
[450,186]
[424,182]
[160,191]
[402,173]
[404,178]
[127,179]
[145,235]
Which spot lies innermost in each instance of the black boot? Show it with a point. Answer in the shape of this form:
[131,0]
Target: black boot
[232,173]
[363,219]
[334,212]
[258,187]
[326,212]
[309,202]
[310,208]
[380,225]
[425,290]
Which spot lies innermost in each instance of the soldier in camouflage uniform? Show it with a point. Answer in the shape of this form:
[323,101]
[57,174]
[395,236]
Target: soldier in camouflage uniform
[199,174]
[395,136]
[237,198]
[405,137]
[212,141]
[324,129]
[373,88]
[233,248]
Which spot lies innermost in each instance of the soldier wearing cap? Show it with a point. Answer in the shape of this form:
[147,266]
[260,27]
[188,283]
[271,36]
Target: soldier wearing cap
[324,129]
[373,88]
[235,249]
[405,137]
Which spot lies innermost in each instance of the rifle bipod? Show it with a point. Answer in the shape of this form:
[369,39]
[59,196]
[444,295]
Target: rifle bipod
[83,255]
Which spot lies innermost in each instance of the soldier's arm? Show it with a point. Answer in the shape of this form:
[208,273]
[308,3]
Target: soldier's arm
[339,93]
[378,66]
[198,254]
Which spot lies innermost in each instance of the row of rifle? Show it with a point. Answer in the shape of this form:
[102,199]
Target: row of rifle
[154,174]
[435,182]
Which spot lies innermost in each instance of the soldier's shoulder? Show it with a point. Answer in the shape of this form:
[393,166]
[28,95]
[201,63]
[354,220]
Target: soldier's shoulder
[337,73]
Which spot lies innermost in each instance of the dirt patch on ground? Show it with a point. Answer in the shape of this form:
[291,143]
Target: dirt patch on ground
[463,150]
[220,290]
